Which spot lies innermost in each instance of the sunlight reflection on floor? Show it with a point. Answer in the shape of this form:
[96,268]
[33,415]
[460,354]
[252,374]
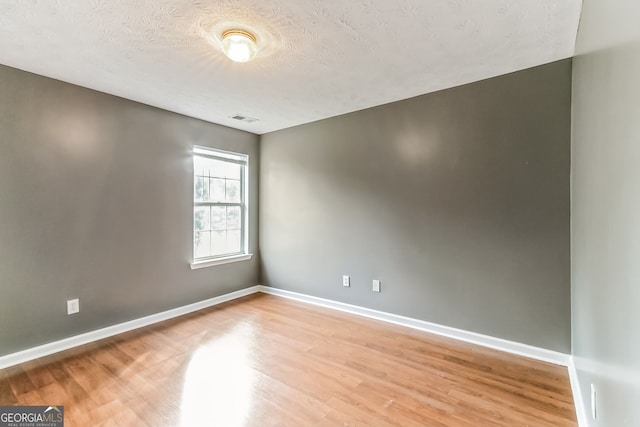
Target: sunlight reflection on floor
[219,381]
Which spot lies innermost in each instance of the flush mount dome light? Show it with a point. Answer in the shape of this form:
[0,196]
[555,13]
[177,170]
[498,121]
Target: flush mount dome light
[239,45]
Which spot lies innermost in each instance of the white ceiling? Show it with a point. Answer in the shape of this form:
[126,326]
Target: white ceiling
[318,58]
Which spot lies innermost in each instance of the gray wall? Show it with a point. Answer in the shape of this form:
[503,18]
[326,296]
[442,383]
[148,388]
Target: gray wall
[96,203]
[458,201]
[606,209]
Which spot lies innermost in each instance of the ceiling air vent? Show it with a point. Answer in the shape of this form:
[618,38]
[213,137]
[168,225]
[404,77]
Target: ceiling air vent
[242,118]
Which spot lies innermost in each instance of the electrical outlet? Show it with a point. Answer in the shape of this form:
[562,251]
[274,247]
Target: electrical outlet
[345,281]
[593,401]
[376,286]
[73,306]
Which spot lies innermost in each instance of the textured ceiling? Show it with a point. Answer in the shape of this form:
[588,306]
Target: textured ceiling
[318,58]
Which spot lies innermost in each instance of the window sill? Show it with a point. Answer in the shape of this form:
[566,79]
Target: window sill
[219,261]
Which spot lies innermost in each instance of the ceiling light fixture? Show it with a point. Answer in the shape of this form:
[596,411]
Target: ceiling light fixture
[239,45]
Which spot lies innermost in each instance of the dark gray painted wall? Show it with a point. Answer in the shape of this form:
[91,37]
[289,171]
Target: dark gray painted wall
[606,209]
[96,203]
[458,201]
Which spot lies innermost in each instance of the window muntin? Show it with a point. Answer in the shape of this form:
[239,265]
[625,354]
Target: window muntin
[220,208]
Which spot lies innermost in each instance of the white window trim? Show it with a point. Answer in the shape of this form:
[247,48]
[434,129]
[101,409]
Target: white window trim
[219,261]
[244,256]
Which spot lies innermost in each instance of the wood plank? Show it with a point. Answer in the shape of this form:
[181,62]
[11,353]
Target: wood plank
[265,361]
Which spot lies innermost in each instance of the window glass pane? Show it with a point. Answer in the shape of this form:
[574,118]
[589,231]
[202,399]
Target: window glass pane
[219,242]
[218,218]
[201,189]
[233,241]
[233,191]
[204,166]
[218,168]
[202,218]
[233,217]
[217,190]
[202,244]
[232,171]
[199,165]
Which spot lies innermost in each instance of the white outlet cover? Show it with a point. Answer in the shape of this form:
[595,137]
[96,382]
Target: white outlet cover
[376,286]
[346,281]
[73,306]
[593,401]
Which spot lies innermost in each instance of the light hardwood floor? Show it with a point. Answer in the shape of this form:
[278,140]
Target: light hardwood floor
[264,360]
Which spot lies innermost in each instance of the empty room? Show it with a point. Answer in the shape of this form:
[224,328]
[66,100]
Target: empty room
[319,213]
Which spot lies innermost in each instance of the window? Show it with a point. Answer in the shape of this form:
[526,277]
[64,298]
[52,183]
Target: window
[219,208]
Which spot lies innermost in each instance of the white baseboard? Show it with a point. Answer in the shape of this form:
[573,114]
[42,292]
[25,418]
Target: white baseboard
[458,334]
[578,401]
[67,343]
